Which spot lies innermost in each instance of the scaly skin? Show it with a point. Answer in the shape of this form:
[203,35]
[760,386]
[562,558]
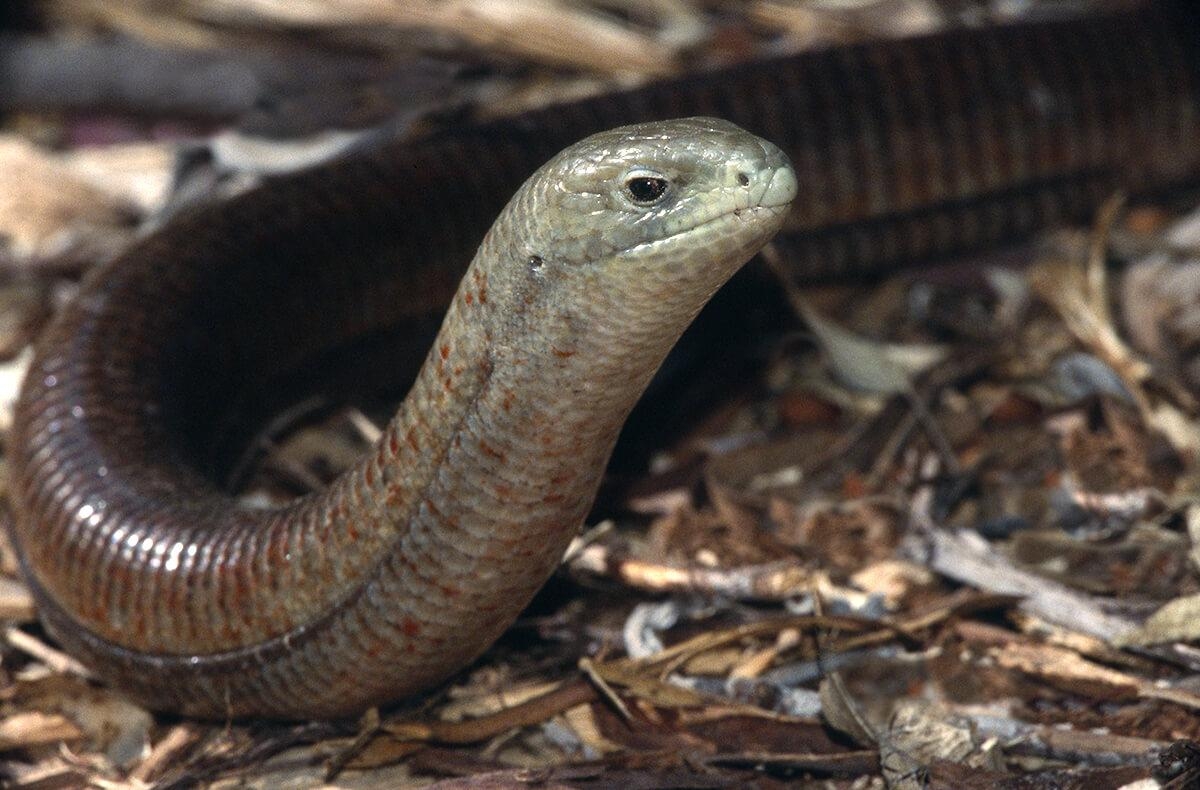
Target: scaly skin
[409,565]
[907,149]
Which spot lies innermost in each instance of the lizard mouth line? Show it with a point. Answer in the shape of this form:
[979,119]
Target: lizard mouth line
[763,215]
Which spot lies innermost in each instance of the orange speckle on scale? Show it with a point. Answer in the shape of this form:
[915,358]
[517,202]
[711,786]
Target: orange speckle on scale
[490,451]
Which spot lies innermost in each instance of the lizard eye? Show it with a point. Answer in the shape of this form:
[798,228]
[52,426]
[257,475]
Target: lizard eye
[646,190]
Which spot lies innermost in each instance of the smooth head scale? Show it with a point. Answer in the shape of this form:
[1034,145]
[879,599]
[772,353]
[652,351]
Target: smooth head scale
[677,204]
[612,247]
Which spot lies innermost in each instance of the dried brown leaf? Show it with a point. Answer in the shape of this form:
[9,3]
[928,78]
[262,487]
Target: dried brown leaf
[644,683]
[33,728]
[971,560]
[1074,285]
[895,580]
[841,712]
[48,211]
[16,603]
[930,732]
[538,30]
[774,581]
[1067,670]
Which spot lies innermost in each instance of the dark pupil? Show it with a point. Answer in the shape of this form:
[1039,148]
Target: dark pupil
[646,189]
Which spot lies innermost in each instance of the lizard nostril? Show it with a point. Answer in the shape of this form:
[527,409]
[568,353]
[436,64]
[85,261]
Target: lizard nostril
[743,179]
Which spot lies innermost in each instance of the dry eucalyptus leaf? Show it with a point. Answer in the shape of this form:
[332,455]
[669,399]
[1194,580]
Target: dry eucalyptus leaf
[1175,621]
[1186,232]
[1012,289]
[475,703]
[138,173]
[927,733]
[1158,303]
[893,579]
[902,771]
[642,682]
[582,720]
[1069,286]
[867,365]
[16,603]
[12,373]
[1067,670]
[842,713]
[968,558]
[34,728]
[1192,519]
[537,30]
[47,210]
[1179,428]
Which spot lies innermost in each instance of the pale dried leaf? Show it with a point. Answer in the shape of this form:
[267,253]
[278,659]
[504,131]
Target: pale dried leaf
[868,365]
[893,580]
[16,604]
[138,173]
[167,751]
[968,558]
[243,153]
[927,732]
[1186,232]
[1146,304]
[54,660]
[1067,670]
[48,210]
[1174,621]
[1012,288]
[1064,285]
[772,581]
[1192,519]
[535,29]
[1180,429]
[477,705]
[582,720]
[12,373]
[642,682]
[34,728]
